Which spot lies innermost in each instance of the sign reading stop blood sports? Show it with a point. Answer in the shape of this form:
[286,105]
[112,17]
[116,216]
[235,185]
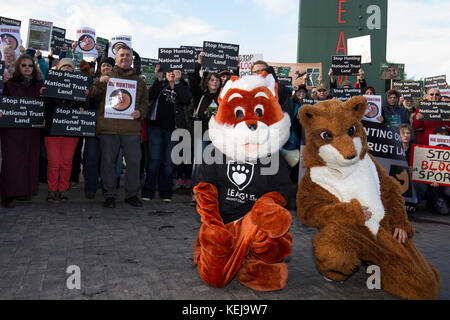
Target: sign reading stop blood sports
[431,164]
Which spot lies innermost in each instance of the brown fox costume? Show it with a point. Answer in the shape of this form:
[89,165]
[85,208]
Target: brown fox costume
[356,206]
[245,226]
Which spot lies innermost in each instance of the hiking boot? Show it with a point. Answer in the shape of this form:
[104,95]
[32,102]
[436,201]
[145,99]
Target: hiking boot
[8,203]
[110,203]
[52,196]
[134,201]
[63,196]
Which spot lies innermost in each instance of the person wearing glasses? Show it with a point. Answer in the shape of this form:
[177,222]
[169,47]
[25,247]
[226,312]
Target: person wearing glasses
[424,128]
[20,146]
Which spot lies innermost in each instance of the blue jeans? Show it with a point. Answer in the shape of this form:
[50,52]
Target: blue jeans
[159,167]
[91,164]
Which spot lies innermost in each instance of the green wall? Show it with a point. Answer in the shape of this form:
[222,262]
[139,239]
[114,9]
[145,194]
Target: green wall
[321,25]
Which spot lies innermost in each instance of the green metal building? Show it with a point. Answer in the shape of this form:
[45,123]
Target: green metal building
[325,26]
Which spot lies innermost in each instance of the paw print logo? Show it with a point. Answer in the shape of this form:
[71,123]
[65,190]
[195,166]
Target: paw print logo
[240,174]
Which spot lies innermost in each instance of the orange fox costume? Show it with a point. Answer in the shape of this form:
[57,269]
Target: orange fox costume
[340,180]
[245,226]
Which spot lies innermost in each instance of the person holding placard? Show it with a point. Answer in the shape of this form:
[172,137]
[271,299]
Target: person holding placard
[20,146]
[425,128]
[60,149]
[170,99]
[9,56]
[121,133]
[393,114]
[205,99]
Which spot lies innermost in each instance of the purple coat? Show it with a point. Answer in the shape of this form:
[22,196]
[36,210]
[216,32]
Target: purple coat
[20,149]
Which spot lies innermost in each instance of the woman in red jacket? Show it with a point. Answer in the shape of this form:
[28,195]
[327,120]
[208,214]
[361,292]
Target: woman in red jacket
[425,128]
[20,146]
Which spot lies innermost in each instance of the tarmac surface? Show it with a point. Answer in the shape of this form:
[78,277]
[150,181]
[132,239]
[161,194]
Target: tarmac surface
[146,253]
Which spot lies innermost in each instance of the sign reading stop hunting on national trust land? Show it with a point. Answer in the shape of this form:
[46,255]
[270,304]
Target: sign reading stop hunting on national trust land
[435,110]
[66,85]
[345,65]
[73,122]
[431,164]
[21,112]
[220,56]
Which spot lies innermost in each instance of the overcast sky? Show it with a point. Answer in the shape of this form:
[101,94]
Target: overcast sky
[418,30]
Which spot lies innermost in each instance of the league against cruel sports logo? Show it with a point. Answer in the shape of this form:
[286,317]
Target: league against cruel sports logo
[240,174]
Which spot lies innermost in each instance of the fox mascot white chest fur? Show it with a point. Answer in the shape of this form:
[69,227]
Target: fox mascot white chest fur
[356,206]
[245,226]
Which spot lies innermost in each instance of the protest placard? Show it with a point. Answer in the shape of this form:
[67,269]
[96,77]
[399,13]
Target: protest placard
[148,70]
[345,65]
[21,112]
[77,57]
[435,110]
[296,70]
[408,89]
[116,42]
[286,81]
[374,108]
[386,146]
[86,42]
[57,40]
[197,50]
[9,22]
[120,98]
[220,56]
[10,35]
[439,82]
[392,71]
[182,59]
[431,164]
[39,34]
[102,43]
[66,85]
[445,94]
[73,122]
[439,140]
[360,46]
[246,63]
[2,70]
[344,94]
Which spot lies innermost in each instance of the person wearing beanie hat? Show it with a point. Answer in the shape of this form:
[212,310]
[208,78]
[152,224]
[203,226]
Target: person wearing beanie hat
[60,149]
[91,151]
[322,91]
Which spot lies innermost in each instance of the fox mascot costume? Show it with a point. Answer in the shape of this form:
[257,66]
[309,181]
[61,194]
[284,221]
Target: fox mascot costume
[356,206]
[245,226]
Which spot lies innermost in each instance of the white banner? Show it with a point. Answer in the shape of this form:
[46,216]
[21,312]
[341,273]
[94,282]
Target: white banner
[87,39]
[373,112]
[115,42]
[247,60]
[120,98]
[10,35]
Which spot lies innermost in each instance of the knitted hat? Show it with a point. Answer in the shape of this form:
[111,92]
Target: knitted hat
[108,60]
[346,84]
[322,86]
[65,62]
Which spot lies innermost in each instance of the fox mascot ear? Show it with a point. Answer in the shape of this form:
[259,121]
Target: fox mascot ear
[306,114]
[357,106]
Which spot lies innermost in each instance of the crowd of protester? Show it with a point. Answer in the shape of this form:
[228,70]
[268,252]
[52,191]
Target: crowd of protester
[30,156]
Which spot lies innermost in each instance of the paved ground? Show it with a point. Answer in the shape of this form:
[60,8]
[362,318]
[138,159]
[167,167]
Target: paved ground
[146,253]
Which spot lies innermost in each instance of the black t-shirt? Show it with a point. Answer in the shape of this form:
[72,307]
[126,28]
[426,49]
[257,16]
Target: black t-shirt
[241,184]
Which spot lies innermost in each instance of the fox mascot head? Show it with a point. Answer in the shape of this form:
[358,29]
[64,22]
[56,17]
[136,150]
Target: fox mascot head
[249,123]
[335,136]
